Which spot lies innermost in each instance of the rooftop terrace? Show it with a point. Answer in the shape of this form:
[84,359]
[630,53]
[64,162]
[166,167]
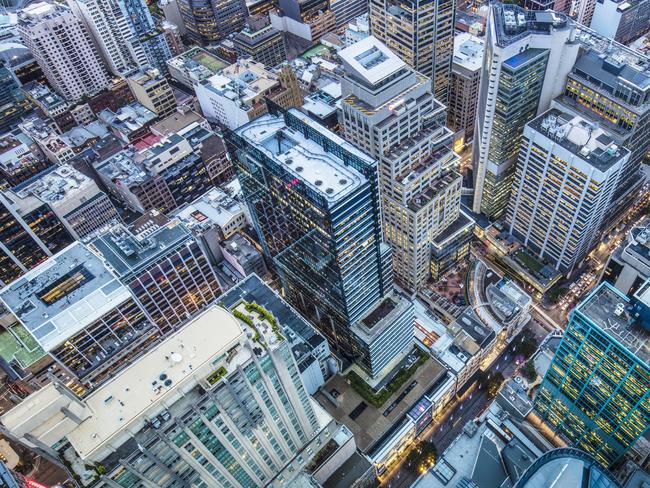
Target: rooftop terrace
[370,60]
[608,309]
[62,295]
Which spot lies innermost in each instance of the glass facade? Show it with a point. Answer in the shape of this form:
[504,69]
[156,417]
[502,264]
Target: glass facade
[28,240]
[13,103]
[520,86]
[210,21]
[327,251]
[596,392]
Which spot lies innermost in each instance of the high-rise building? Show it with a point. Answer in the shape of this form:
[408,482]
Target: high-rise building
[231,411]
[528,55]
[465,82]
[13,102]
[110,30]
[152,90]
[596,390]
[609,84]
[566,175]
[622,21]
[314,200]
[210,21]
[390,111]
[420,32]
[315,15]
[64,49]
[163,266]
[28,236]
[345,11]
[261,42]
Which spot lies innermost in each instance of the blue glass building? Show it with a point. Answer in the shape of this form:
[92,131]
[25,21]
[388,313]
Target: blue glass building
[13,103]
[596,392]
[314,200]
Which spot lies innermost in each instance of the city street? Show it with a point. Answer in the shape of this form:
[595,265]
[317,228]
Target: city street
[446,429]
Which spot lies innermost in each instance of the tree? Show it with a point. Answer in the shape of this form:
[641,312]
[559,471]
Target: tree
[557,292]
[524,345]
[528,371]
[491,382]
[422,456]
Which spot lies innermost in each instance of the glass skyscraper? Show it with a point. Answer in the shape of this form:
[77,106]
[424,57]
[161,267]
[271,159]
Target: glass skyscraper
[13,103]
[596,392]
[314,200]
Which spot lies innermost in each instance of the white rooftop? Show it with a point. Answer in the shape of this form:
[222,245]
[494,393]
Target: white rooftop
[63,295]
[370,59]
[468,51]
[214,206]
[304,158]
[156,379]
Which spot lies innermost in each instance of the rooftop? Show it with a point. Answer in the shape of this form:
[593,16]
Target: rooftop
[59,184]
[608,309]
[214,207]
[157,377]
[127,253]
[324,172]
[129,118]
[243,81]
[468,51]
[584,139]
[513,22]
[179,120]
[62,295]
[197,63]
[46,97]
[370,60]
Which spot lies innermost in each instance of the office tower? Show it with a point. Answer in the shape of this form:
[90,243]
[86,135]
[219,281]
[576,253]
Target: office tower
[155,50]
[29,234]
[345,11]
[80,314]
[595,392]
[75,199]
[621,21]
[210,21]
[64,50]
[421,33]
[110,31]
[261,42]
[583,11]
[172,14]
[567,172]
[465,84]
[163,266]
[314,202]
[628,266]
[152,90]
[13,103]
[316,15]
[235,96]
[229,411]
[528,55]
[390,111]
[610,85]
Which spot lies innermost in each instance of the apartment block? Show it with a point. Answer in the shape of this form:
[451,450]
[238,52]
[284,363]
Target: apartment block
[64,49]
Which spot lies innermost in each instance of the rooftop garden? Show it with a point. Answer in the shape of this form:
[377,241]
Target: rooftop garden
[263,314]
[378,398]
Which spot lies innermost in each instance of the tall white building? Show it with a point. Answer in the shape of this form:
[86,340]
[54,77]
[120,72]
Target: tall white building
[566,175]
[528,55]
[119,47]
[389,111]
[63,48]
[231,411]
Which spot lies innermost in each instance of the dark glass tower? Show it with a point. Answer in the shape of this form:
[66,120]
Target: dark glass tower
[314,200]
[13,103]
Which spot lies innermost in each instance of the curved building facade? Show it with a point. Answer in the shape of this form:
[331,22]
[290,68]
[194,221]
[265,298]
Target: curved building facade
[566,467]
